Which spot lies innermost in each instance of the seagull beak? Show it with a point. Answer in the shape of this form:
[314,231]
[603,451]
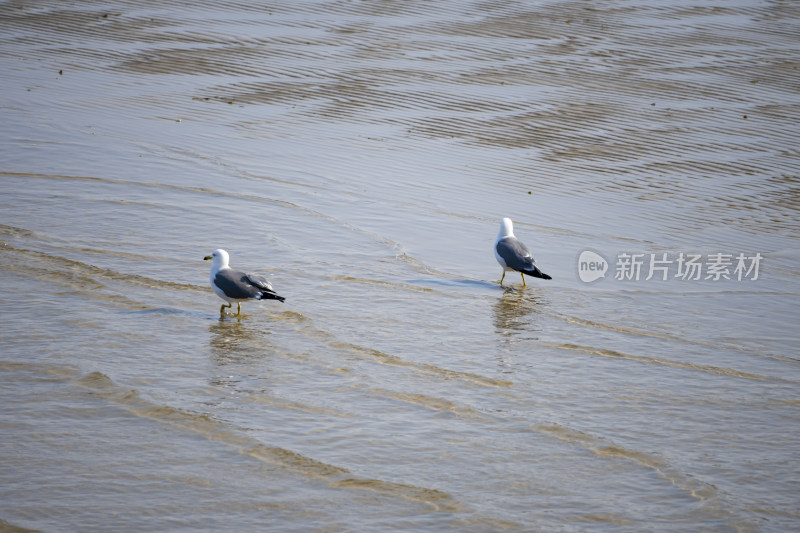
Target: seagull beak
[206,258]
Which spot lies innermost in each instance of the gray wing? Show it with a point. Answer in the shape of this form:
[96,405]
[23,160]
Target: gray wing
[260,282]
[515,254]
[236,284]
[266,292]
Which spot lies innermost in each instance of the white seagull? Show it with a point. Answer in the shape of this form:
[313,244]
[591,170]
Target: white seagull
[514,256]
[234,286]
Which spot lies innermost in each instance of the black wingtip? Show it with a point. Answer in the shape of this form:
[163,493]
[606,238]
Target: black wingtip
[271,296]
[536,273]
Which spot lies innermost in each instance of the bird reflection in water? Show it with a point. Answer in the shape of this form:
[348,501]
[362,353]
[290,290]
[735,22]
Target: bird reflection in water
[513,310]
[232,340]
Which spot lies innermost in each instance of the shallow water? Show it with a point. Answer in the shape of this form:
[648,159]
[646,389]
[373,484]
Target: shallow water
[360,155]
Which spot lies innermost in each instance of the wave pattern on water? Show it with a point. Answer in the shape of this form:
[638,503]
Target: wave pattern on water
[102,385]
[360,154]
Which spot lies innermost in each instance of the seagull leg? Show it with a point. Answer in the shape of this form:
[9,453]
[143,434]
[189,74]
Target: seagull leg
[502,278]
[222,308]
[523,279]
[238,308]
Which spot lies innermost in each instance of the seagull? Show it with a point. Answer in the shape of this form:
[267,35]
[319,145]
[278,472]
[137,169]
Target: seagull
[514,256]
[234,286]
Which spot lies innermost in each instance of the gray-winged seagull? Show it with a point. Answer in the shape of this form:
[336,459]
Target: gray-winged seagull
[514,256]
[234,286]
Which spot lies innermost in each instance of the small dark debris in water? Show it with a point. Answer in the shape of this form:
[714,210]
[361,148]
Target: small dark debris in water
[530,192]
[230,102]
[569,21]
[60,72]
[744,117]
[653,104]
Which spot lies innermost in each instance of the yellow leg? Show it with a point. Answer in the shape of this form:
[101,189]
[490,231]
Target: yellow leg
[523,279]
[502,278]
[222,308]
[238,308]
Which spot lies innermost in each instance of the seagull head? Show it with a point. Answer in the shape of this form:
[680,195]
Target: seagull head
[219,259]
[506,228]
